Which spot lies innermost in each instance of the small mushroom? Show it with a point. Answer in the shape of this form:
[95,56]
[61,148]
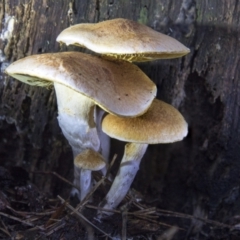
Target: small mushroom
[162,123]
[81,81]
[88,161]
[123,39]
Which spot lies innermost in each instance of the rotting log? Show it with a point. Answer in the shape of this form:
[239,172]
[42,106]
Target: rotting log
[199,175]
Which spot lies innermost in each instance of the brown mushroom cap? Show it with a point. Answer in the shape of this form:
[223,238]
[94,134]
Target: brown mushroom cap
[118,87]
[162,123]
[123,39]
[90,160]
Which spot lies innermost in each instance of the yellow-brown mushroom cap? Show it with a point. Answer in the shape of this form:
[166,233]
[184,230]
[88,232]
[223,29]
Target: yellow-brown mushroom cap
[90,160]
[123,39]
[162,123]
[118,87]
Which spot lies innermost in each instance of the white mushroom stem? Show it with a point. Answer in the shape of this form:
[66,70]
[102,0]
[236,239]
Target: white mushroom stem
[133,154]
[88,161]
[76,119]
[85,182]
[77,122]
[104,138]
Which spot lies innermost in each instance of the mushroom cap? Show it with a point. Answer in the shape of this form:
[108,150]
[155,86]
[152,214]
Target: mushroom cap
[118,87]
[123,39]
[89,160]
[162,123]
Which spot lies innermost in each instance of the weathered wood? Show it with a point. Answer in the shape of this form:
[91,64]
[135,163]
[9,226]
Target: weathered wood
[199,175]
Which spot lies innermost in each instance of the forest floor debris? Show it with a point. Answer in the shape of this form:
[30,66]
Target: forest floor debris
[28,213]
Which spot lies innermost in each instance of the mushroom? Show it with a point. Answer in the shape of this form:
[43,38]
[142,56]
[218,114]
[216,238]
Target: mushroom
[81,81]
[162,123]
[123,39]
[88,161]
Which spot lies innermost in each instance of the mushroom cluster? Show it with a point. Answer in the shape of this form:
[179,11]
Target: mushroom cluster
[82,81]
[87,86]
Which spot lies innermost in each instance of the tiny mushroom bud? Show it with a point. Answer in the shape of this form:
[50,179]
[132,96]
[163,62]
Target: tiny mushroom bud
[81,82]
[162,123]
[87,161]
[123,39]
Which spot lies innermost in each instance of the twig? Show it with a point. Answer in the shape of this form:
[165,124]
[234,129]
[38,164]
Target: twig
[55,229]
[57,175]
[124,224]
[56,214]
[159,223]
[83,217]
[85,224]
[103,209]
[5,230]
[146,211]
[101,181]
[111,164]
[168,213]
[27,214]
[16,219]
[85,200]
[144,215]
[119,212]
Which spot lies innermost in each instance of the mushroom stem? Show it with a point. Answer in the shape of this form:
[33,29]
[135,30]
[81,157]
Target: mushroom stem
[88,161]
[133,154]
[104,138]
[77,111]
[85,182]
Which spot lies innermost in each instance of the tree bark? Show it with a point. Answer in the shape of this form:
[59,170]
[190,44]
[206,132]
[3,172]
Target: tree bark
[198,176]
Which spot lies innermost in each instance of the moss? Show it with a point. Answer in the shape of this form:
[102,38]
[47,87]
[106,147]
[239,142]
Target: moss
[143,16]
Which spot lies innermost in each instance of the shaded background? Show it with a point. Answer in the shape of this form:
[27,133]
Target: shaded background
[198,176]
